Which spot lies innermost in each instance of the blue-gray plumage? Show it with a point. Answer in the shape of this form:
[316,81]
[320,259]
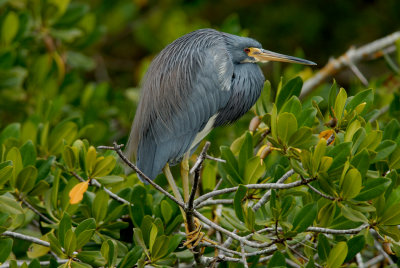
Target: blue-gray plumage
[201,80]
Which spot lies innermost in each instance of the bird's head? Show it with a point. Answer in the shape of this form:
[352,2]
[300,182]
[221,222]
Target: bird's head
[247,50]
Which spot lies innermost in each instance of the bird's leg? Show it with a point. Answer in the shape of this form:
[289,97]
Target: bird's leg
[185,176]
[174,188]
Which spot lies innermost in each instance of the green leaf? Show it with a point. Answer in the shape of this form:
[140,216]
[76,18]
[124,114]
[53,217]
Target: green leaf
[109,250]
[64,226]
[332,98]
[174,242]
[319,152]
[90,160]
[231,166]
[339,153]
[354,245]
[337,255]
[26,179]
[104,166]
[373,188]
[84,232]
[323,247]
[69,242]
[384,150]
[391,216]
[293,106]
[138,237]
[160,248]
[361,162]
[353,215]
[166,211]
[69,157]
[6,247]
[277,260]
[55,245]
[15,156]
[110,179]
[326,214]
[246,152]
[394,159]
[340,103]
[237,201]
[209,176]
[291,88]
[131,258]
[92,257]
[100,205]
[28,153]
[11,131]
[363,96]
[307,117]
[63,133]
[304,218]
[153,236]
[5,174]
[286,126]
[351,185]
[351,130]
[9,27]
[254,169]
[10,206]
[300,138]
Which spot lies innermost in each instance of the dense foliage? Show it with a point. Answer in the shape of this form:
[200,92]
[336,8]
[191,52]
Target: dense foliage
[57,102]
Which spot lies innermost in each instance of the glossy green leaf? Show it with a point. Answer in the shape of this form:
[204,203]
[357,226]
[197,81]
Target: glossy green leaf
[9,27]
[339,153]
[10,206]
[291,88]
[354,245]
[92,257]
[64,226]
[353,215]
[351,130]
[277,260]
[293,106]
[103,167]
[5,174]
[246,152]
[11,131]
[391,216]
[394,159]
[100,205]
[84,232]
[110,179]
[130,259]
[26,179]
[340,103]
[286,126]
[69,242]
[63,133]
[323,247]
[109,250]
[237,202]
[160,247]
[351,185]
[90,160]
[152,236]
[209,176]
[326,214]
[231,166]
[373,188]
[69,157]
[254,169]
[138,238]
[28,153]
[304,218]
[307,117]
[361,162]
[6,247]
[300,138]
[337,255]
[15,156]
[363,96]
[384,150]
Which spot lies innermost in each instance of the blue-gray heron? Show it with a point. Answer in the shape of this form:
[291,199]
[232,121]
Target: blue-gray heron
[202,80]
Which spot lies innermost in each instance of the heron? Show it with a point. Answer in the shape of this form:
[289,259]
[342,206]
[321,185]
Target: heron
[200,81]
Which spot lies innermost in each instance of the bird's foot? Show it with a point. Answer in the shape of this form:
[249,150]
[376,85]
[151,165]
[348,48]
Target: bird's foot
[196,236]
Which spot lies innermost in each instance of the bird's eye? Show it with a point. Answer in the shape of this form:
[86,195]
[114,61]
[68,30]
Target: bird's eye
[247,50]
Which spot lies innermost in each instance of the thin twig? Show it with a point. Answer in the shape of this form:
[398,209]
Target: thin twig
[353,55]
[244,261]
[374,261]
[253,186]
[359,260]
[321,193]
[215,159]
[26,203]
[265,197]
[215,202]
[200,159]
[337,231]
[117,148]
[26,238]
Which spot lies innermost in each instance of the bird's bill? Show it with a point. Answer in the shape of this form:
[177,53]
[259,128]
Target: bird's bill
[263,55]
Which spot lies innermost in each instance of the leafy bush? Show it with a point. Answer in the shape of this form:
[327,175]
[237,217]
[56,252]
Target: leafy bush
[311,182]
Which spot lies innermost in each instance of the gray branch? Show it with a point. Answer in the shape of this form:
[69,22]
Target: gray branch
[26,238]
[352,56]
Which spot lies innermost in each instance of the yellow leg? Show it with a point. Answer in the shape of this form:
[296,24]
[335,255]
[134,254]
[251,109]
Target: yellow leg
[185,176]
[175,189]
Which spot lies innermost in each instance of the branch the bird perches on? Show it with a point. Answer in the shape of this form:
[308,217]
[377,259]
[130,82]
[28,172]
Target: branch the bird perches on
[373,50]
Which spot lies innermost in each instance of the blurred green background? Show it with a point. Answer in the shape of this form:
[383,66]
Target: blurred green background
[83,60]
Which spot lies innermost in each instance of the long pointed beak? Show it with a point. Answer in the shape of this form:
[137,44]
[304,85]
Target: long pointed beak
[266,55]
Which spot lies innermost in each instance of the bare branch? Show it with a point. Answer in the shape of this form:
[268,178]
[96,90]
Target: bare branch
[215,202]
[215,159]
[321,193]
[201,158]
[117,148]
[373,49]
[26,203]
[335,231]
[26,238]
[244,261]
[265,197]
